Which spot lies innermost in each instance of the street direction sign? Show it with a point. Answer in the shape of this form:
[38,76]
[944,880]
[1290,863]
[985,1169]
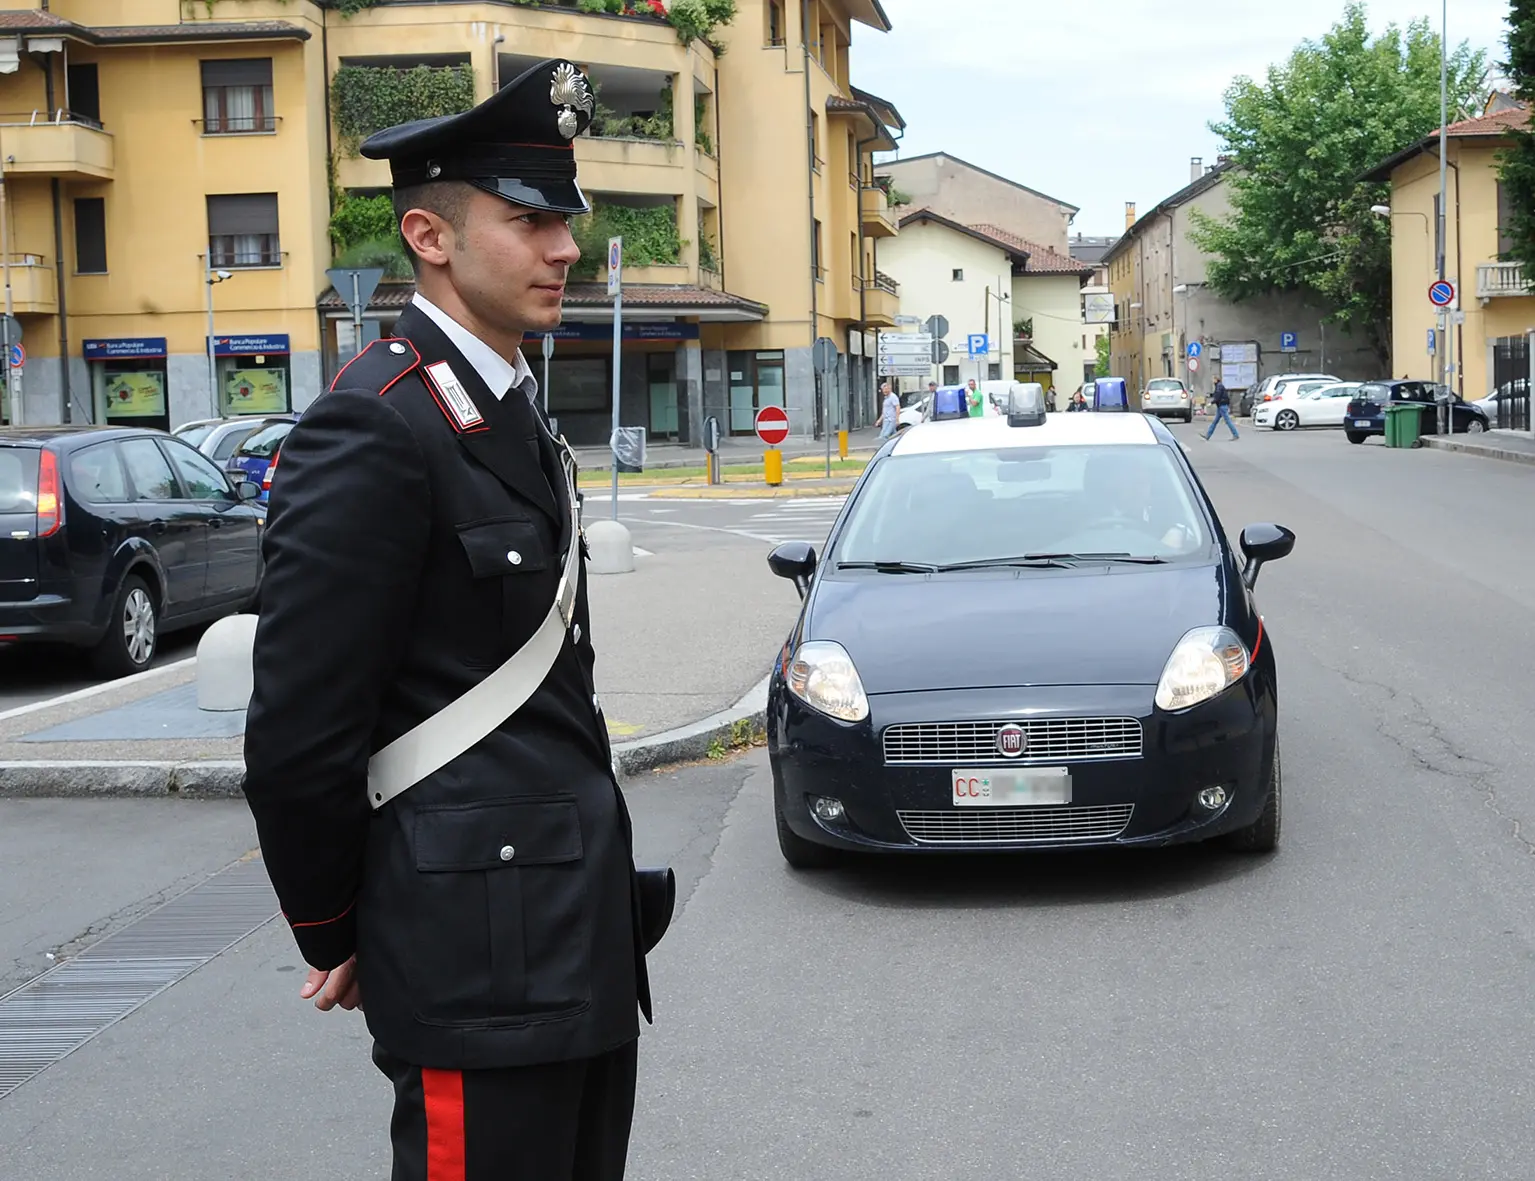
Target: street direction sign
[937,326]
[978,344]
[772,425]
[823,355]
[615,265]
[940,352]
[1195,348]
[1288,342]
[355,285]
[1193,364]
[1441,293]
[904,370]
[905,344]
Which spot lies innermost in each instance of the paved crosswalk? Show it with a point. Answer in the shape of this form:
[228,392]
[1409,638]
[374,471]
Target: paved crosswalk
[802,519]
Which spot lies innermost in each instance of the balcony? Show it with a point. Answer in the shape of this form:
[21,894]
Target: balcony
[62,145]
[1494,279]
[34,286]
[874,207]
[881,301]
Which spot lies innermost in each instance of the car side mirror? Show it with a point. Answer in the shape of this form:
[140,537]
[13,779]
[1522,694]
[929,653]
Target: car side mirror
[247,490]
[794,560]
[1262,544]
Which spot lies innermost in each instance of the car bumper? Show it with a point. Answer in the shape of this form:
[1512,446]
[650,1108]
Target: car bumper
[1263,416]
[1147,799]
[1365,426]
[1167,409]
[48,619]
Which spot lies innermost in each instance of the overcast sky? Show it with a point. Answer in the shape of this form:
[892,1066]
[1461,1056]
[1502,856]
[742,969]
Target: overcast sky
[1099,102]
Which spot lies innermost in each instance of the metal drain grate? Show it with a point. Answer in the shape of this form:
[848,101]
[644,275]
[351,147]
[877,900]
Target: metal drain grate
[48,1018]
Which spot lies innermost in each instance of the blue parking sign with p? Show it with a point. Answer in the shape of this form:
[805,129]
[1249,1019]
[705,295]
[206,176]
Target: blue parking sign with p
[1287,342]
[978,344]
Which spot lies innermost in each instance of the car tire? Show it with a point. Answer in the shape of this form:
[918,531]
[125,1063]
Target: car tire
[1286,420]
[797,851]
[1475,427]
[1188,417]
[1354,436]
[133,631]
[1262,836]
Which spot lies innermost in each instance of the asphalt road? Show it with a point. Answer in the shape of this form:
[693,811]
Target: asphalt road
[1356,1007]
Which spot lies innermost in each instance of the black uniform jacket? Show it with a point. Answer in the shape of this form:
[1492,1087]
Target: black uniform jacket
[492,907]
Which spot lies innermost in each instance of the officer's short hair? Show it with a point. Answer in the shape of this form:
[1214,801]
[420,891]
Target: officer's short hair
[448,199]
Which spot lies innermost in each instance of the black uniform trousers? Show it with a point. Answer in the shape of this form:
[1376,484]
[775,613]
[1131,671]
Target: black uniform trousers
[561,1121]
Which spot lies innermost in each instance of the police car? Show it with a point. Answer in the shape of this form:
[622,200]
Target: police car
[1090,666]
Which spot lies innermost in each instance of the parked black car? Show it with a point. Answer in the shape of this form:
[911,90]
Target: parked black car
[1366,414]
[111,536]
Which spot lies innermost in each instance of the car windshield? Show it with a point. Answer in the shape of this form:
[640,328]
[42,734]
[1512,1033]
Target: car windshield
[193,436]
[1163,383]
[265,442]
[1021,503]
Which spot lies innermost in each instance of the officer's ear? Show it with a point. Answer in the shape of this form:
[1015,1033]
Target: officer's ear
[429,236]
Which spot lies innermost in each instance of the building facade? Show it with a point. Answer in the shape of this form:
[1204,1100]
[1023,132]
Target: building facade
[971,195]
[170,158]
[1496,296]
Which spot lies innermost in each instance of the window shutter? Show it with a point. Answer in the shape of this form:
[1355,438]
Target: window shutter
[241,72]
[242,213]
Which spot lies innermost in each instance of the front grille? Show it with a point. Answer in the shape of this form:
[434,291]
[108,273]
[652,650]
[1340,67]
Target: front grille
[1016,826]
[1049,740]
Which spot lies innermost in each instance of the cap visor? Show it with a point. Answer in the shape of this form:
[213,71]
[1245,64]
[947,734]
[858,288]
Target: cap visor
[555,196]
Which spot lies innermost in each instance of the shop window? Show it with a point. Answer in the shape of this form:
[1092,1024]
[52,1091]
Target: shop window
[579,385]
[662,386]
[131,392]
[253,385]
[237,97]
[90,235]
[242,230]
[756,380]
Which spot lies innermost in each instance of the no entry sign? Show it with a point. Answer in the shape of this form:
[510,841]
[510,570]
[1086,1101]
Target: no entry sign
[772,425]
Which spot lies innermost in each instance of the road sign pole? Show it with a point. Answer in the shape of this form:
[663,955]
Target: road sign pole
[618,339]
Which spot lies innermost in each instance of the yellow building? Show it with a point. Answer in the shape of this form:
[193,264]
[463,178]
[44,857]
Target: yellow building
[1126,333]
[162,157]
[1496,298]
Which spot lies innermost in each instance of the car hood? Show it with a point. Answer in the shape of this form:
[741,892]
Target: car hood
[1001,629]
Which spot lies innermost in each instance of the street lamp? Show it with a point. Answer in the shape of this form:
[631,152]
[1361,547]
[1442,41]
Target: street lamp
[213,381]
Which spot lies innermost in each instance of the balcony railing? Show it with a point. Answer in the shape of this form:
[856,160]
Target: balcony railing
[884,282]
[1501,278]
[59,143]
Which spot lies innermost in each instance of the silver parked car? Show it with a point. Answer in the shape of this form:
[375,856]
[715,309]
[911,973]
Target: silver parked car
[217,438]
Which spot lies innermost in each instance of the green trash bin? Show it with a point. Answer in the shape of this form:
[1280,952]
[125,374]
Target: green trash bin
[1404,424]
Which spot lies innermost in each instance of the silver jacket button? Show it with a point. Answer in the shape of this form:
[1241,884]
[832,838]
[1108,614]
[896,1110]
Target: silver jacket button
[576,633]
[514,557]
[507,852]
[397,348]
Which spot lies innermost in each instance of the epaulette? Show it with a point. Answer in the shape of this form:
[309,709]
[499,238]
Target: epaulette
[378,367]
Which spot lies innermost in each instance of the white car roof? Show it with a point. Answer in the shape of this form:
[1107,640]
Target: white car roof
[1093,429]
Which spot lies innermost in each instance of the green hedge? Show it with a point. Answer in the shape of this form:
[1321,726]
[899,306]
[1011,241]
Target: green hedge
[369,98]
[360,219]
[650,237]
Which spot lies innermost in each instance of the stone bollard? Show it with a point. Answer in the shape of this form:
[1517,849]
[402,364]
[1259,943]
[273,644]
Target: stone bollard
[225,675]
[612,551]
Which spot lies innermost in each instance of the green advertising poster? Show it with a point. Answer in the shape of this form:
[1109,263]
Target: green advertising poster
[136,395]
[256,391]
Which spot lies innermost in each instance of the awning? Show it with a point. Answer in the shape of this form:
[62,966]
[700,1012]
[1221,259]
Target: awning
[1029,359]
[590,302]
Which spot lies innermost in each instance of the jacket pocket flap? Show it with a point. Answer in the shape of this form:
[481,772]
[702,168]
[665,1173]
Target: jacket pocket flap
[497,834]
[497,548]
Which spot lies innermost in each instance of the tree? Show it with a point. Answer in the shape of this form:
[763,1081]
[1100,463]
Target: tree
[1300,142]
[1104,359]
[1517,165]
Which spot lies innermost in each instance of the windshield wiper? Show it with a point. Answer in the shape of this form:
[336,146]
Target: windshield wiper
[890,567]
[1138,559]
[1032,561]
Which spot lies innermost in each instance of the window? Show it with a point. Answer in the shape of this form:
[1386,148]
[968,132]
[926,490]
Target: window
[815,248]
[994,371]
[237,97]
[96,476]
[151,475]
[1505,221]
[242,231]
[226,445]
[959,275]
[84,91]
[775,22]
[90,235]
[200,478]
[815,141]
[951,375]
[264,443]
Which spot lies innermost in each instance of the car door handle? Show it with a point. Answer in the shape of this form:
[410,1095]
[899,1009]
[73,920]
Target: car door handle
[157,526]
[216,522]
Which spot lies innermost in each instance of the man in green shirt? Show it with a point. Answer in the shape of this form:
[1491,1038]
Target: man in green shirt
[974,400]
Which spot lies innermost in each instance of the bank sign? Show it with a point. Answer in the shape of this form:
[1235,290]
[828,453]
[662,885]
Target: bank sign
[123,348]
[637,330]
[249,346]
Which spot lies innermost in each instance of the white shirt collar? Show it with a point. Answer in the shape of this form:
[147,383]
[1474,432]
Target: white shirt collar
[494,370]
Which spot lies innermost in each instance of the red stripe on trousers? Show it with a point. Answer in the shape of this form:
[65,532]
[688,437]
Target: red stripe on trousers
[443,1097]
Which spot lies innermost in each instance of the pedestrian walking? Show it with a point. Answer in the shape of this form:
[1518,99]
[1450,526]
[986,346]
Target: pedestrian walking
[1221,400]
[891,411]
[449,843]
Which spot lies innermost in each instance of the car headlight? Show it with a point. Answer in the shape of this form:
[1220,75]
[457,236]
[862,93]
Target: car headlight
[1206,662]
[823,677]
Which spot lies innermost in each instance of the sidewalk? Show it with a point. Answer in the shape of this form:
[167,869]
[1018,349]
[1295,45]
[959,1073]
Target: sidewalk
[684,644]
[1513,446]
[733,449]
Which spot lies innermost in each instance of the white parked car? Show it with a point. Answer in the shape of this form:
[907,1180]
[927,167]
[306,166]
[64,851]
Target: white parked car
[1167,397]
[1306,404]
[1268,388]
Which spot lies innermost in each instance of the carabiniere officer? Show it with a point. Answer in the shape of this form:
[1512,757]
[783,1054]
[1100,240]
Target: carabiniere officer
[470,884]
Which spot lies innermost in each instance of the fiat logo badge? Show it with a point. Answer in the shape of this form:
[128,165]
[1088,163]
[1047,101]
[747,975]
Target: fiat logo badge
[1012,741]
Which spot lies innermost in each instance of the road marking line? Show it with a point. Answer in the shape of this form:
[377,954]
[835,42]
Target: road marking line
[95,690]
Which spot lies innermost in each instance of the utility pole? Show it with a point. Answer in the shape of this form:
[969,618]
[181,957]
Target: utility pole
[1444,119]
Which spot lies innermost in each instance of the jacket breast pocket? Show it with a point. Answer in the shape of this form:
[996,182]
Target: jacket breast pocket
[513,576]
[499,548]
[501,924]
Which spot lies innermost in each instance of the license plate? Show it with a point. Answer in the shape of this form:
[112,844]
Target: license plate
[1005,788]
[1364,422]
